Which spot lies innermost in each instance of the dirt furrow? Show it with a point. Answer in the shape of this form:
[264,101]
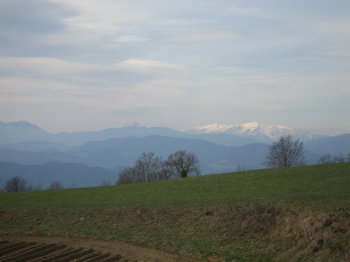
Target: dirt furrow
[30,252]
[9,256]
[29,248]
[58,255]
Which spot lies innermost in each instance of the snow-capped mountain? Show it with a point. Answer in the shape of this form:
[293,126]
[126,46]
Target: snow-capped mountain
[27,135]
[259,131]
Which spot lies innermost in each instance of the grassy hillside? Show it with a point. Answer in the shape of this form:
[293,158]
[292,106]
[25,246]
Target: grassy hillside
[295,214]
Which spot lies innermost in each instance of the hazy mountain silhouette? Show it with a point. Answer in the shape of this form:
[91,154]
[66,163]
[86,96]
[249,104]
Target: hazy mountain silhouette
[28,145]
[332,145]
[69,174]
[24,132]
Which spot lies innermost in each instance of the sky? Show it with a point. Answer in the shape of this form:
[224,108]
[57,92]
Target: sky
[75,65]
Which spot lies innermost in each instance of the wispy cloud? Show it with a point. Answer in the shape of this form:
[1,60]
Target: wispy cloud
[249,11]
[102,15]
[201,37]
[45,65]
[142,65]
[130,39]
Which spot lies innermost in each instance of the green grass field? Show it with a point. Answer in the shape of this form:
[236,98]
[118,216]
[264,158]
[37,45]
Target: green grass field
[294,214]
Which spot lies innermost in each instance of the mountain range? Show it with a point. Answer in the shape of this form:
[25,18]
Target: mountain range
[230,135]
[264,133]
[220,148]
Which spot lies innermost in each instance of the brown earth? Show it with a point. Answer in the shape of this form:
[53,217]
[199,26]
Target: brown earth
[255,232]
[55,248]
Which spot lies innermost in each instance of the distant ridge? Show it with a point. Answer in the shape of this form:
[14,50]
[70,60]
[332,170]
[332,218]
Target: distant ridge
[19,125]
[230,135]
[22,131]
[69,174]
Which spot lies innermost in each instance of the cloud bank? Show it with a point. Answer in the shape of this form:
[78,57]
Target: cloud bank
[78,65]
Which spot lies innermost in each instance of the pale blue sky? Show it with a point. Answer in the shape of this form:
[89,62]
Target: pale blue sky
[70,65]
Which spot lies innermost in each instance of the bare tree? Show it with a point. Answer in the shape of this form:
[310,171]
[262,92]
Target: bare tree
[182,164]
[326,159]
[148,167]
[130,175]
[126,176]
[339,158]
[286,152]
[16,184]
[56,185]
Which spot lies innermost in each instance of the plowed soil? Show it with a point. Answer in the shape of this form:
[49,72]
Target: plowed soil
[63,249]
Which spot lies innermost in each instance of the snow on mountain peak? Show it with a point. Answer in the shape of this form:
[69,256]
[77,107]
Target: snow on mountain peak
[250,126]
[255,129]
[262,132]
[212,128]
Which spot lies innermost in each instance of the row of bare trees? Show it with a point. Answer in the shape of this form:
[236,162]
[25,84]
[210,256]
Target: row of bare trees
[19,184]
[150,167]
[339,158]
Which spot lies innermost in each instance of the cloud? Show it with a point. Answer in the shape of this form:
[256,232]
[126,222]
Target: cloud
[248,11]
[31,17]
[30,86]
[83,75]
[200,37]
[182,22]
[24,24]
[102,15]
[45,65]
[183,62]
[130,39]
[142,65]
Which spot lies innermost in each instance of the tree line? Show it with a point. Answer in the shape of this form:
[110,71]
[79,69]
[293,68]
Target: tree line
[286,152]
[150,167]
[329,159]
[19,184]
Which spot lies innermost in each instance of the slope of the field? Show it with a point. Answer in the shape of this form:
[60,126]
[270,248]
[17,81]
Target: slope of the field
[295,214]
